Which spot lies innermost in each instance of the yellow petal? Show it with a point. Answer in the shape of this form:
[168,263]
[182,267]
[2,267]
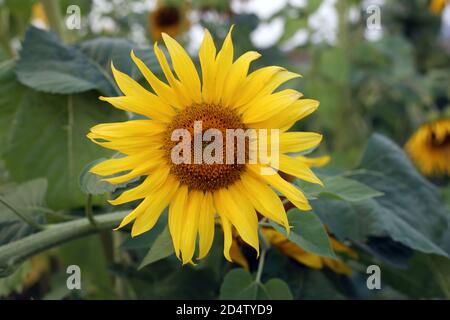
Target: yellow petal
[150,184]
[293,194]
[264,199]
[146,104]
[232,205]
[112,166]
[157,202]
[283,121]
[141,170]
[236,77]
[182,93]
[261,83]
[176,215]
[265,108]
[190,226]
[254,83]
[128,129]
[237,256]
[223,64]
[299,141]
[207,57]
[314,162]
[206,225]
[227,235]
[162,89]
[298,169]
[184,67]
[135,213]
[127,145]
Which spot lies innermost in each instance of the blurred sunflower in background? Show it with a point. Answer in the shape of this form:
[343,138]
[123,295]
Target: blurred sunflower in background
[169,17]
[293,251]
[429,148]
[226,98]
[38,15]
[437,6]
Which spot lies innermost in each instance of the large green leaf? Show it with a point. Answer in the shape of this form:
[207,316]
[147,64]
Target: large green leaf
[339,187]
[308,232]
[27,198]
[47,138]
[48,65]
[161,248]
[239,284]
[105,50]
[410,212]
[91,183]
[11,95]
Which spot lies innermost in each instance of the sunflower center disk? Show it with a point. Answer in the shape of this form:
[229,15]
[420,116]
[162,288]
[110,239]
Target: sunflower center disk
[204,175]
[167,16]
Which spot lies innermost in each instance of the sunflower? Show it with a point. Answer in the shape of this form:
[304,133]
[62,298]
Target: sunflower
[436,6]
[195,193]
[167,18]
[429,147]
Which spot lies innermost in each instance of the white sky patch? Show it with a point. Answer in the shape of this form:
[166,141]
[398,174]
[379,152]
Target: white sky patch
[195,35]
[445,28]
[324,23]
[264,9]
[298,39]
[354,14]
[146,5]
[267,34]
[298,3]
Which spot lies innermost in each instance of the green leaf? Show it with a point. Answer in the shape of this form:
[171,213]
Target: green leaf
[11,95]
[47,138]
[308,232]
[410,212]
[239,284]
[91,183]
[161,248]
[104,50]
[27,199]
[340,188]
[48,65]
[277,289]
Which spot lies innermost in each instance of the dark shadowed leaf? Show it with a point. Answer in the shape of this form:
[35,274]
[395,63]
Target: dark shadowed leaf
[161,248]
[308,232]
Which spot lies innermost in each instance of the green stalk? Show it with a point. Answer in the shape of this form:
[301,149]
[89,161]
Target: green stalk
[25,218]
[18,251]
[265,246]
[54,16]
[88,211]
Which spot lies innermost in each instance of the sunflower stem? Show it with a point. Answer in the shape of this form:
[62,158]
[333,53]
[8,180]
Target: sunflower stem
[262,259]
[89,212]
[25,218]
[15,252]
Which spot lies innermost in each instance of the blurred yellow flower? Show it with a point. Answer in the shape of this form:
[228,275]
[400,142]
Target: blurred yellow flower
[167,18]
[429,148]
[38,15]
[436,6]
[290,249]
[195,192]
